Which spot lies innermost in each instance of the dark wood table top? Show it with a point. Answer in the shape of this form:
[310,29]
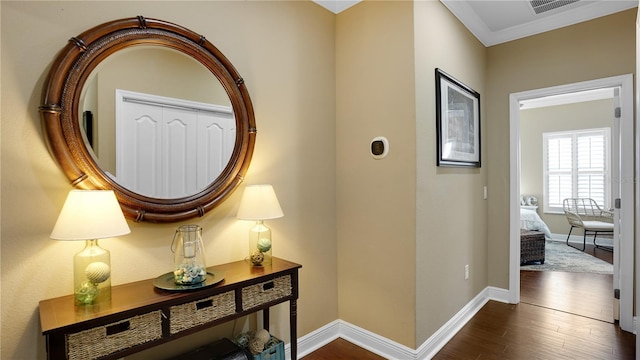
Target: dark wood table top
[61,312]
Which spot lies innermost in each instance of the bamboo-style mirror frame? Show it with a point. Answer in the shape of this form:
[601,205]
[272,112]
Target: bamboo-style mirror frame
[59,113]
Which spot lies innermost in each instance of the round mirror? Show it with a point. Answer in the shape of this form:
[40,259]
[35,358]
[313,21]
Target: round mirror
[153,111]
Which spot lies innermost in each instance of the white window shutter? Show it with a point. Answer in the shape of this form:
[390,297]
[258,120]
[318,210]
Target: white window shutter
[591,154]
[576,164]
[558,171]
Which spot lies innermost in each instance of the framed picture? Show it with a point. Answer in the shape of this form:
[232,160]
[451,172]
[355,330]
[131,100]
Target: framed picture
[457,122]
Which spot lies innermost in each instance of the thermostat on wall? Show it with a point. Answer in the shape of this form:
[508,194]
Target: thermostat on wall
[379,147]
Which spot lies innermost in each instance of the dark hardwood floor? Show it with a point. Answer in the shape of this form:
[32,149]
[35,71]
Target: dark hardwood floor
[529,330]
[589,295]
[584,294]
[341,349]
[523,331]
[599,253]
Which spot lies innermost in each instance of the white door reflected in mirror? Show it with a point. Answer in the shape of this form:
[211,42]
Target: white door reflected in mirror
[170,148]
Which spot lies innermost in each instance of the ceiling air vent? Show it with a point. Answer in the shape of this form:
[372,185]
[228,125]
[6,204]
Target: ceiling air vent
[540,6]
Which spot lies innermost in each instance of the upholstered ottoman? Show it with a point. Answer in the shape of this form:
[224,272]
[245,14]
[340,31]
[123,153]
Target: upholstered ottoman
[531,247]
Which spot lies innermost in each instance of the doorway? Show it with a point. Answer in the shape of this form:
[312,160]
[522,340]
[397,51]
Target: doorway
[623,259]
[565,150]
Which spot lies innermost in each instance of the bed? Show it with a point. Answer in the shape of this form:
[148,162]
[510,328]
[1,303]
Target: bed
[530,220]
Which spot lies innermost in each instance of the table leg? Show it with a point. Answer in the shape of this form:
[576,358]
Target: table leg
[265,319]
[293,327]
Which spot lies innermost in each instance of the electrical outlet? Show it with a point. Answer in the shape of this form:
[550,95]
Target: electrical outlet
[466,272]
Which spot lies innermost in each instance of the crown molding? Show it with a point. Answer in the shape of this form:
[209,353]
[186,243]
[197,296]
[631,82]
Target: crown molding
[336,6]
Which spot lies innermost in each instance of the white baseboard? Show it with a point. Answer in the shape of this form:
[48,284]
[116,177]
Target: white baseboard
[315,340]
[388,348]
[498,294]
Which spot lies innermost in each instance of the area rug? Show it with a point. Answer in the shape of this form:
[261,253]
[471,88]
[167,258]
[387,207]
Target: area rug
[561,257]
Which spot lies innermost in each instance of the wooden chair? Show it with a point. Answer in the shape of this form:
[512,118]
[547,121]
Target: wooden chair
[585,213]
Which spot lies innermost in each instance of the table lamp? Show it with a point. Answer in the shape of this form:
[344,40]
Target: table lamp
[90,215]
[259,203]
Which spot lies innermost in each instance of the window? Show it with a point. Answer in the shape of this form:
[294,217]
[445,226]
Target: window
[576,164]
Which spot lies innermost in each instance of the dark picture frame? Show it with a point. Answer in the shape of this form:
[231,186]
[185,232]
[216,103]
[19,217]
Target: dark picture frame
[457,122]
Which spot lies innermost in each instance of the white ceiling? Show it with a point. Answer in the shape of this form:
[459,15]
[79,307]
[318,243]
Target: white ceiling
[497,21]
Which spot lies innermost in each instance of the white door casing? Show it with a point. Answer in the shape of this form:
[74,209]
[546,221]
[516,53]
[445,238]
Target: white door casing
[616,193]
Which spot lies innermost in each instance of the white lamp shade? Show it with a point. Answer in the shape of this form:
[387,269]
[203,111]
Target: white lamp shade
[259,202]
[89,215]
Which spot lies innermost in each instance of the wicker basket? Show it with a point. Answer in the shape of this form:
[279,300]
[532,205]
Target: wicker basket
[262,293]
[104,340]
[200,312]
[531,247]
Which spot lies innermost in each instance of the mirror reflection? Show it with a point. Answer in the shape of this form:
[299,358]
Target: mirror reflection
[157,121]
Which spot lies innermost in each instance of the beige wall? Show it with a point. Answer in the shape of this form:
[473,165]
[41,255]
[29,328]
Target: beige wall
[535,122]
[284,51]
[595,49]
[406,228]
[376,198]
[451,213]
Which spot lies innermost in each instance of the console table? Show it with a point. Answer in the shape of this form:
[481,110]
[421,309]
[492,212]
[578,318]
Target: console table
[140,316]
